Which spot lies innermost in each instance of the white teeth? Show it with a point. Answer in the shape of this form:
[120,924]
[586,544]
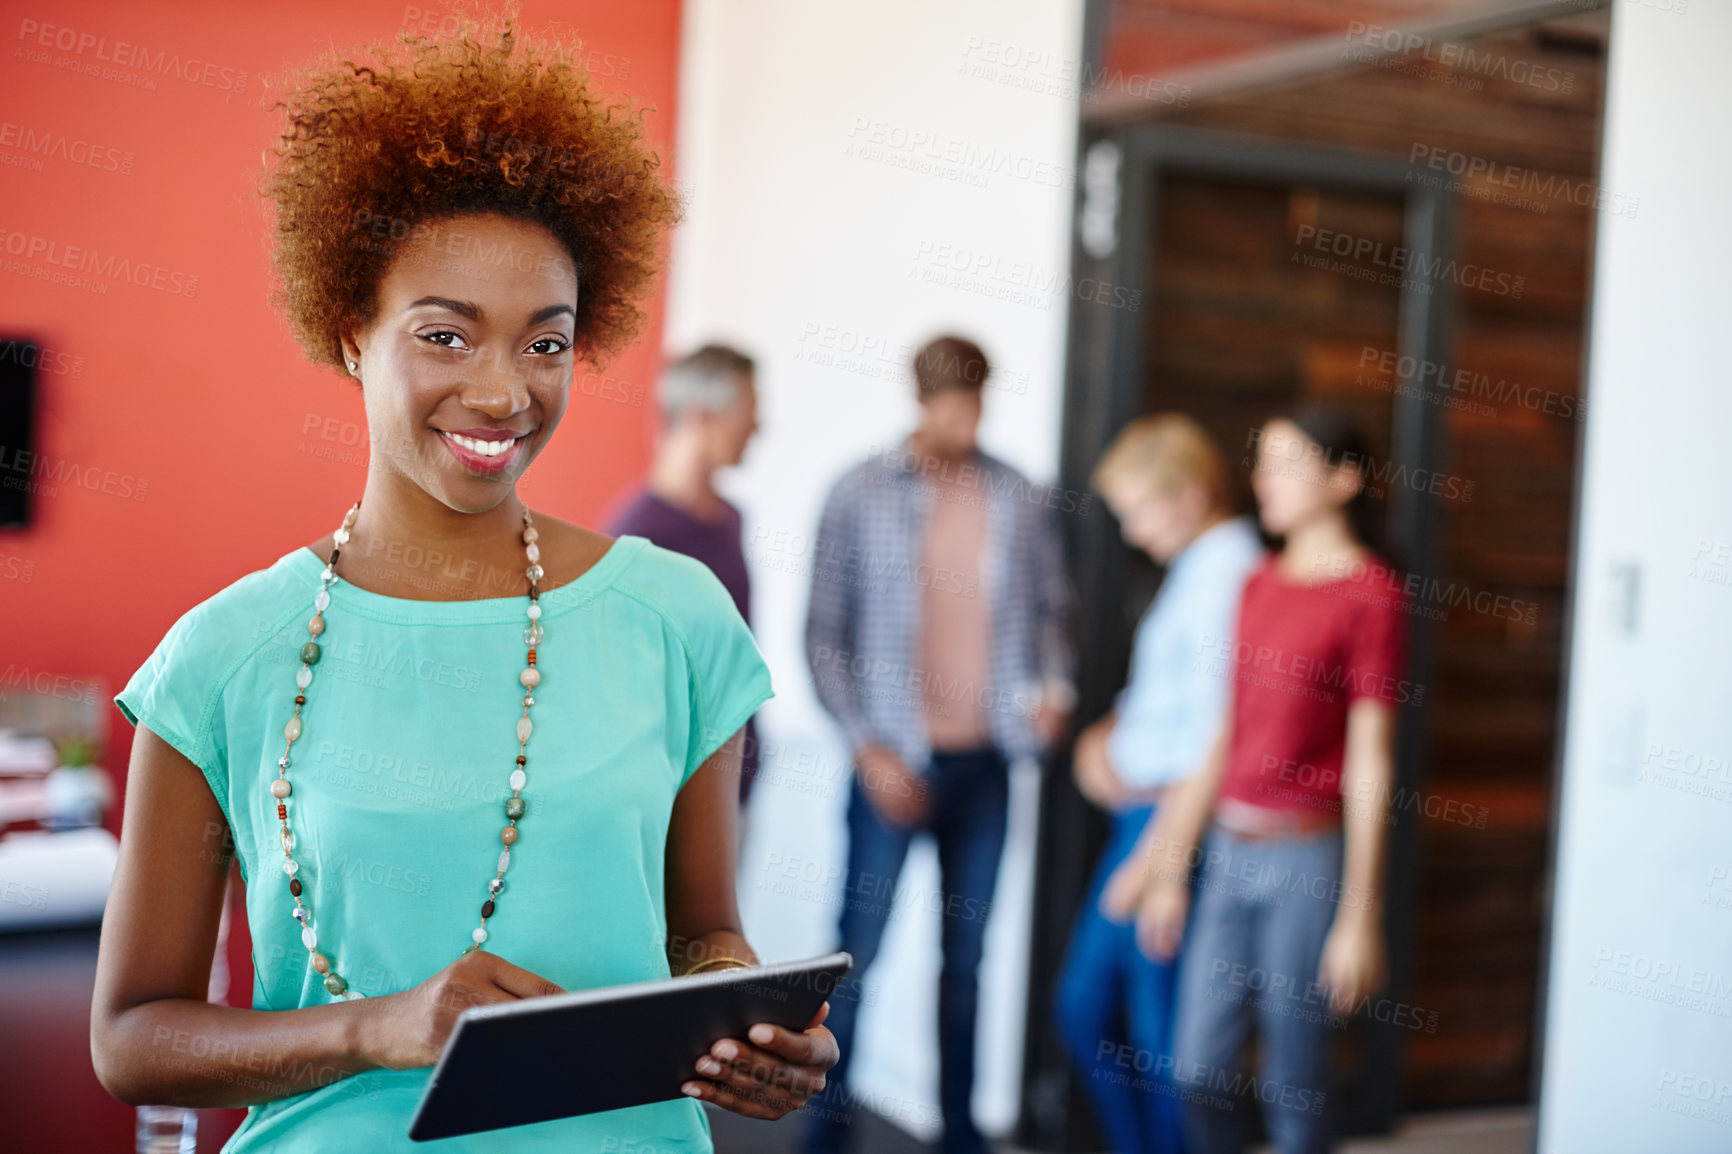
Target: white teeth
[485,448]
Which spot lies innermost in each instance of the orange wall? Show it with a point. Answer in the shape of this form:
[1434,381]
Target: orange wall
[186,439]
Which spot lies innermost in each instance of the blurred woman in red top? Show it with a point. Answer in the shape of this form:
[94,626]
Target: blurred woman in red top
[1288,812]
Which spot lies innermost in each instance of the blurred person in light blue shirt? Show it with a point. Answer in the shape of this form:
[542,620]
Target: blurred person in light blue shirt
[1166,481]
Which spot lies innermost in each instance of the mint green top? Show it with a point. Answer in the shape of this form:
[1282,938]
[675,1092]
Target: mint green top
[400,779]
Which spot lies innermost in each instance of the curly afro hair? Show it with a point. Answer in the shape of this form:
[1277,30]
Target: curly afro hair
[382,142]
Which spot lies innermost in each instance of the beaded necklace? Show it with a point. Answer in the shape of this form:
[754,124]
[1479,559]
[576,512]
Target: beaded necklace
[530,677]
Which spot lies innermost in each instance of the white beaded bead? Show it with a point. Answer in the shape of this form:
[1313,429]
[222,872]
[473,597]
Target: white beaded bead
[534,611]
[293,729]
[309,938]
[530,677]
[504,861]
[533,552]
[341,536]
[304,676]
[323,601]
[291,866]
[479,934]
[518,778]
[281,788]
[524,728]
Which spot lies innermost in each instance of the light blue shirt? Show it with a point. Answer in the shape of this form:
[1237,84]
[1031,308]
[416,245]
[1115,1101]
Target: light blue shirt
[1171,709]
[399,783]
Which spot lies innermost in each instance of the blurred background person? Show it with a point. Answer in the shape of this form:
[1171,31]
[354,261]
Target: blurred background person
[1290,807]
[938,634]
[1166,482]
[709,407]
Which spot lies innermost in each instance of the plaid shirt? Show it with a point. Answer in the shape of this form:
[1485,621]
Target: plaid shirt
[863,622]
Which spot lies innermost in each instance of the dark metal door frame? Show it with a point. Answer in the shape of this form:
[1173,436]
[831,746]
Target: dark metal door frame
[1107,358]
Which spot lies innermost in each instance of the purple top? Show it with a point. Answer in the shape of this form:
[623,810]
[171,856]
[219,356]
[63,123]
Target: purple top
[718,545]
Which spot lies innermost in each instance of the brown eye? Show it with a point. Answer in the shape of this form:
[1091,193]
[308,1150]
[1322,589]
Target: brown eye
[444,338]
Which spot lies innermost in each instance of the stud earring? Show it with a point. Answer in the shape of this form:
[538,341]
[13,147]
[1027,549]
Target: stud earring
[351,366]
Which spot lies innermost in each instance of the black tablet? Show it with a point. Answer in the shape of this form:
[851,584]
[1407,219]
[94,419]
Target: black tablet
[650,1033]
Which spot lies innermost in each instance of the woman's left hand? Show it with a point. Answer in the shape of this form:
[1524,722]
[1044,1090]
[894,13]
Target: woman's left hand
[1353,965]
[773,1074]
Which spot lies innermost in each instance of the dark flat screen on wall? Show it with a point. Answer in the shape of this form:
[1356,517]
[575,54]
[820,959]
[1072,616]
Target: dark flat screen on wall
[19,358]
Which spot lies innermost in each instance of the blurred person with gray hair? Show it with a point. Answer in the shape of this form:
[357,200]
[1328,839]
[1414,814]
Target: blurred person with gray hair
[709,407]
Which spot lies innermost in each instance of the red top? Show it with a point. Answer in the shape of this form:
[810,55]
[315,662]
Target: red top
[1303,654]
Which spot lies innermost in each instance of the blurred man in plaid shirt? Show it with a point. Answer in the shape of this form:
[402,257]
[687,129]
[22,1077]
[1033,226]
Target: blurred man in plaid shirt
[939,638]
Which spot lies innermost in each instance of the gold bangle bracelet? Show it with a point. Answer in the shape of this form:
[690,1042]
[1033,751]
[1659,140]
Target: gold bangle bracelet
[741,962]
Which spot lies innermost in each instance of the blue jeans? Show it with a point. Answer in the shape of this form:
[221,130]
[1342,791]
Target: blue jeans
[968,802]
[1262,911]
[1124,1063]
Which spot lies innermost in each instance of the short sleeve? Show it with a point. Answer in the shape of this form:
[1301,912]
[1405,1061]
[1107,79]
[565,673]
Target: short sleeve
[176,694]
[1378,651]
[729,679]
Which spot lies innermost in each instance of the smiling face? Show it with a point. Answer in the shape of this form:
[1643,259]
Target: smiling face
[466,367]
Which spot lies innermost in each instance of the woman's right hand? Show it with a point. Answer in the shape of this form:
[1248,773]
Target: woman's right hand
[407,1030]
[1161,919]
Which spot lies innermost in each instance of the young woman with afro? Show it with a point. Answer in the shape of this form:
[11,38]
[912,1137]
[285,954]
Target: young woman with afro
[465,752]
